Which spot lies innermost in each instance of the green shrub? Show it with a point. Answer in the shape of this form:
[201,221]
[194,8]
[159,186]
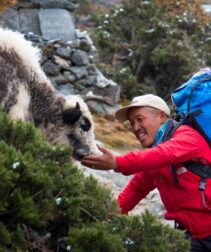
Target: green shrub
[126,81]
[167,48]
[47,204]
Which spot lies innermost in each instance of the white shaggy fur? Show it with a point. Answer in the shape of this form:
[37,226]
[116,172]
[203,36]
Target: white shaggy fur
[29,54]
[21,110]
[27,94]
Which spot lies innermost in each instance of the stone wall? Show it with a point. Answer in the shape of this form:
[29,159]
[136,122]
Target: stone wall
[69,56]
[49,18]
[70,65]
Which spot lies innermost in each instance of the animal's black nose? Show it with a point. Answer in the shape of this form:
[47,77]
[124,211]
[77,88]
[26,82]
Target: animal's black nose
[80,153]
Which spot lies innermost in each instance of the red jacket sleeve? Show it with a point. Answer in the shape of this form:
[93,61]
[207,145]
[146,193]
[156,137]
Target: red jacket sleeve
[136,189]
[186,144]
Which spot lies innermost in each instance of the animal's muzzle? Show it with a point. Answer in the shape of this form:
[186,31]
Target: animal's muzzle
[80,153]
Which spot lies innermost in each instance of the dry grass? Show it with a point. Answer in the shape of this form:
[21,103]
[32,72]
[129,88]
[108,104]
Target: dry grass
[115,135]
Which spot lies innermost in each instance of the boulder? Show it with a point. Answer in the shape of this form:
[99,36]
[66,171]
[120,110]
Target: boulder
[10,18]
[80,58]
[54,23]
[28,20]
[50,23]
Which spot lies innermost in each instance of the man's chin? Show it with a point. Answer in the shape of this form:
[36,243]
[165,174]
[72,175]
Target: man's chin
[144,143]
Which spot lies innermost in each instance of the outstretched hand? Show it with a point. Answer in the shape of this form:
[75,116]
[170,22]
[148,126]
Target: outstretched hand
[105,161]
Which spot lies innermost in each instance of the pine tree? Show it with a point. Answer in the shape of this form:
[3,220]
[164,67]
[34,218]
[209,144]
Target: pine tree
[166,41]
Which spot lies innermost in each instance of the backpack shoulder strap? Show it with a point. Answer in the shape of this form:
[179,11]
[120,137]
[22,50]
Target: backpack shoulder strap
[171,128]
[202,170]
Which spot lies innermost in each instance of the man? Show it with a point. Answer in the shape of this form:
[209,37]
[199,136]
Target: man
[184,202]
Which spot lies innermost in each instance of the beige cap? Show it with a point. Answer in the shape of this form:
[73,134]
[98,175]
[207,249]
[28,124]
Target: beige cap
[148,100]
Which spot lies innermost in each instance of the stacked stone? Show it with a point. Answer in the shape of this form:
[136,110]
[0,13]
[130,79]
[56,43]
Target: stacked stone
[70,65]
[48,18]
[69,55]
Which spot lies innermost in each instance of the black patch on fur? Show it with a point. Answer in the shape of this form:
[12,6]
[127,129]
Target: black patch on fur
[38,121]
[71,116]
[45,105]
[86,124]
[11,99]
[12,72]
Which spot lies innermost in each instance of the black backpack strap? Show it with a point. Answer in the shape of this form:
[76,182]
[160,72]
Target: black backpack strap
[174,173]
[171,128]
[202,170]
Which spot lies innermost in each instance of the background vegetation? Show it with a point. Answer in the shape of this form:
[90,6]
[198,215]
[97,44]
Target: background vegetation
[154,46]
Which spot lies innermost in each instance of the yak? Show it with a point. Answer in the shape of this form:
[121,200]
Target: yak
[27,94]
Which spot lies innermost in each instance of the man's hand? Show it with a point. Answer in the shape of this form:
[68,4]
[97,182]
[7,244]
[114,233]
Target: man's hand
[105,161]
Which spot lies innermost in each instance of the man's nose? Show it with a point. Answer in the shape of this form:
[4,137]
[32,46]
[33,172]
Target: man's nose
[136,126]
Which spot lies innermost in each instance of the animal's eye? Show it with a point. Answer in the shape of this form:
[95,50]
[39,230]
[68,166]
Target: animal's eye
[85,124]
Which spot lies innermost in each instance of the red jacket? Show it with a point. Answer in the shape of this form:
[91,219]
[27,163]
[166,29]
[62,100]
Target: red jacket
[184,202]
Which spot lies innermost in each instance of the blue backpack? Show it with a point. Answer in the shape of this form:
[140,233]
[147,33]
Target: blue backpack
[192,102]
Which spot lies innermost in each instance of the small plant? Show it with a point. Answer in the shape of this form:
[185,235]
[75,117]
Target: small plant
[127,81]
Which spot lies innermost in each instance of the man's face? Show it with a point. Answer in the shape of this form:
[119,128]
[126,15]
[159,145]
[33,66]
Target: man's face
[145,122]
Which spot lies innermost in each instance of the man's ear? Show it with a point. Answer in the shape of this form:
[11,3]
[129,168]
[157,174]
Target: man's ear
[163,116]
[71,115]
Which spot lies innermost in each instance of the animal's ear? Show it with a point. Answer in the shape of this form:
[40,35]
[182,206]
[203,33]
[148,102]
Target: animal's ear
[71,116]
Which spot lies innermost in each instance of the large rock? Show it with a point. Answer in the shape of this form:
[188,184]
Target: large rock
[108,95]
[52,23]
[80,58]
[56,23]
[10,18]
[29,22]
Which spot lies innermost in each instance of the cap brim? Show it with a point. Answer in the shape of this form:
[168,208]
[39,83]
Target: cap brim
[122,114]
